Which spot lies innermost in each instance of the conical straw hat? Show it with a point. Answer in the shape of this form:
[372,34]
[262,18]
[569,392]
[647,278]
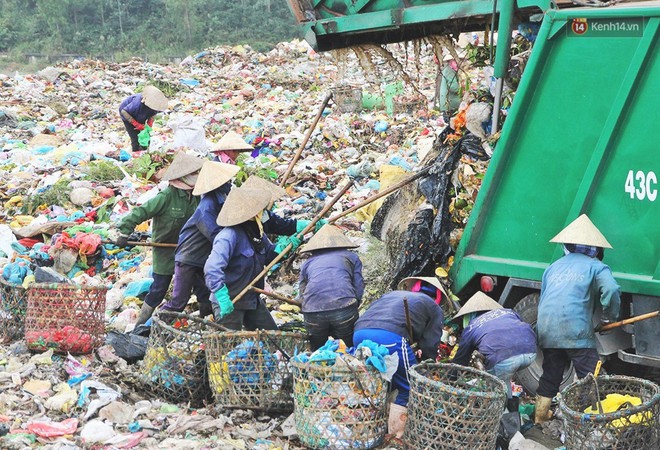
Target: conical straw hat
[255,182]
[329,236]
[478,302]
[583,232]
[232,141]
[407,284]
[213,175]
[183,164]
[242,205]
[154,98]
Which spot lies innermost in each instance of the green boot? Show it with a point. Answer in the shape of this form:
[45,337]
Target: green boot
[145,313]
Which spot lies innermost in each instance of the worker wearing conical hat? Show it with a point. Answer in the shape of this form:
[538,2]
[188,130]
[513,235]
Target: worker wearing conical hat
[240,252]
[228,148]
[139,110]
[331,287]
[196,237]
[507,343]
[169,209]
[385,323]
[571,289]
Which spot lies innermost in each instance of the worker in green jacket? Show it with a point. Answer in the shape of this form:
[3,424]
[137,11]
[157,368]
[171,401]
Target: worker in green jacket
[169,209]
[448,87]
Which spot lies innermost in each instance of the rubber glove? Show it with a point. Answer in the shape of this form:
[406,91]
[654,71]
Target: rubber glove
[284,241]
[320,224]
[137,125]
[301,225]
[224,302]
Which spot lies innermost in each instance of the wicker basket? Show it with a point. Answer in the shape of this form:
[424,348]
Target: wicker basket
[174,365]
[453,406]
[347,98]
[339,407]
[251,369]
[631,427]
[13,307]
[65,317]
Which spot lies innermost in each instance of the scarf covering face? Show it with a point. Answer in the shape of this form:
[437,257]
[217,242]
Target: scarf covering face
[588,250]
[186,182]
[255,231]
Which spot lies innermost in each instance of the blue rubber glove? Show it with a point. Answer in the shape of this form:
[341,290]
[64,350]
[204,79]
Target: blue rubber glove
[284,241]
[320,224]
[301,225]
[225,306]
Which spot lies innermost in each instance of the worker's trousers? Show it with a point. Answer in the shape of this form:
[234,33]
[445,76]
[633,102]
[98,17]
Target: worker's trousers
[556,360]
[395,344]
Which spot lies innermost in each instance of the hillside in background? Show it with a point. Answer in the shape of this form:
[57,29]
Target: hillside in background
[122,29]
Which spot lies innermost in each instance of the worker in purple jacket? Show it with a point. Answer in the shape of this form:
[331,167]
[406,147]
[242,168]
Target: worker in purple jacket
[385,322]
[507,343]
[140,109]
[240,252]
[331,287]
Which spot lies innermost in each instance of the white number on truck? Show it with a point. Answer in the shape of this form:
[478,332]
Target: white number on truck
[642,185]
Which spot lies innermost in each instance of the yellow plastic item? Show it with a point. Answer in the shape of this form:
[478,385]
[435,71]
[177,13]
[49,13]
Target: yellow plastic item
[389,176]
[614,402]
[16,200]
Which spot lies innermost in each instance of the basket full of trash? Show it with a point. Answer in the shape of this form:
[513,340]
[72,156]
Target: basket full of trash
[340,400]
[174,365]
[453,406]
[611,412]
[252,369]
[67,318]
[13,307]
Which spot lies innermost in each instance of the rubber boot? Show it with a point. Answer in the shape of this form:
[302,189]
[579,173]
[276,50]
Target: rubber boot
[396,421]
[145,313]
[542,411]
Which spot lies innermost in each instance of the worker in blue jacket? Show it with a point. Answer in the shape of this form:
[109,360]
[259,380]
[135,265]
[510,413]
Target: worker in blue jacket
[331,287]
[507,343]
[139,110]
[385,323]
[571,289]
[240,252]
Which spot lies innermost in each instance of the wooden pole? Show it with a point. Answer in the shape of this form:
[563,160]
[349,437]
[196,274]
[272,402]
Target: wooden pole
[146,244]
[300,235]
[383,193]
[630,320]
[277,296]
[303,144]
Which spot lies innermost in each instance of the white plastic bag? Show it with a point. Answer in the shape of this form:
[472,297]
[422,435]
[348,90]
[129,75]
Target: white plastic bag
[188,132]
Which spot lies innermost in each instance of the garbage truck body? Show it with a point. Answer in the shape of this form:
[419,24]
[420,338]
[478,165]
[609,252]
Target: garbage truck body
[581,137]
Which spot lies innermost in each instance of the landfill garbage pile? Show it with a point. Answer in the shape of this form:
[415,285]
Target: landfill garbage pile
[68,176]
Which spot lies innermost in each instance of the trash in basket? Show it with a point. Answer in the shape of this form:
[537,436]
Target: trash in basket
[453,406]
[340,400]
[630,417]
[65,317]
[13,307]
[174,365]
[251,369]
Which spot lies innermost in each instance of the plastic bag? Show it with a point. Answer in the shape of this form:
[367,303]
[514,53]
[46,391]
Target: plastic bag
[188,132]
[129,346]
[145,136]
[509,426]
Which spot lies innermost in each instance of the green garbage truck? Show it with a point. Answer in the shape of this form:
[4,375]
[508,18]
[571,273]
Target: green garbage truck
[581,137]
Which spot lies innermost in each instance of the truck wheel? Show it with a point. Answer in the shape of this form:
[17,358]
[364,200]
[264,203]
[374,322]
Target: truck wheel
[527,308]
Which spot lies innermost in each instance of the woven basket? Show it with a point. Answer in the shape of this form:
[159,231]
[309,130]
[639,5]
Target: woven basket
[453,407]
[347,98]
[174,365]
[339,407]
[251,369]
[65,317]
[13,307]
[632,427]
